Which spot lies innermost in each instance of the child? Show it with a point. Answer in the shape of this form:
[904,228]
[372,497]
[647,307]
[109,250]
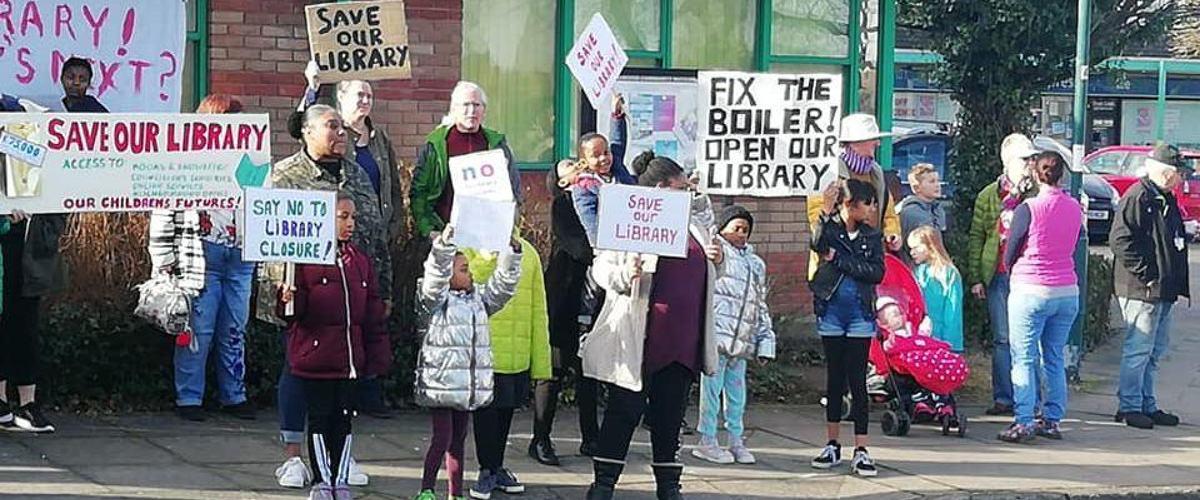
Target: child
[843,287]
[910,350]
[335,335]
[743,331]
[893,320]
[941,285]
[76,79]
[454,371]
[598,165]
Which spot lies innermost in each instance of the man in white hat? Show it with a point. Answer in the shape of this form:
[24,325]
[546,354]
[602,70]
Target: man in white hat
[860,137]
[1150,273]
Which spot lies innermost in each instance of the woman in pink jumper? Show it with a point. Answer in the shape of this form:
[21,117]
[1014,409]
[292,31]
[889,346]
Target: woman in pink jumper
[1044,298]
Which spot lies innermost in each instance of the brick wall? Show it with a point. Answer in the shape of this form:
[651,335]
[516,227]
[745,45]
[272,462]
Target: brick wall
[259,48]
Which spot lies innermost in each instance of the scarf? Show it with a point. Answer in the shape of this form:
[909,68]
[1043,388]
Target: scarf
[1010,197]
[857,163]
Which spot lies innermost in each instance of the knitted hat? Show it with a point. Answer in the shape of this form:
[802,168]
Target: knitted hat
[736,212]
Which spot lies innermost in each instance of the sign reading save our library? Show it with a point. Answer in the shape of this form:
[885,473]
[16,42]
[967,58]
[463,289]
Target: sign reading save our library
[597,60]
[130,162]
[359,40]
[643,220]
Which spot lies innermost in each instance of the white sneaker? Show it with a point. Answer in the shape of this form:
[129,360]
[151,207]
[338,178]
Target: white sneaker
[357,476]
[862,464]
[712,452]
[293,474]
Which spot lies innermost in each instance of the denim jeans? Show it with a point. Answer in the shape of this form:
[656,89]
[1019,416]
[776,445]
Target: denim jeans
[1037,322]
[293,406]
[219,316]
[730,381]
[997,304]
[1146,339]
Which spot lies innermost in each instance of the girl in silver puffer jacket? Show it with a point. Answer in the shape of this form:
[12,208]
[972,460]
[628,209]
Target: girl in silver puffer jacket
[454,370]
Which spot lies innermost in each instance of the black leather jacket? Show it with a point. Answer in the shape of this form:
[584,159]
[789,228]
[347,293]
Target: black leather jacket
[859,259]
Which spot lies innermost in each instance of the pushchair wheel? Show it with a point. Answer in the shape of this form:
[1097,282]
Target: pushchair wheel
[895,424]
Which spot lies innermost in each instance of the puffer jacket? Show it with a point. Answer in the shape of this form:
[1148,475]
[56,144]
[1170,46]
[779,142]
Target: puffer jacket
[454,369]
[521,330]
[741,321]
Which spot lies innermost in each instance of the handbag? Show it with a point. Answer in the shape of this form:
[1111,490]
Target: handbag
[168,307]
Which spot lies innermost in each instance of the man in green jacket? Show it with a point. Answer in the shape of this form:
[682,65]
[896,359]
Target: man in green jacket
[462,132]
[986,276]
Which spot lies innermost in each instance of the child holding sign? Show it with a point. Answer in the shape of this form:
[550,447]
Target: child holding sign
[454,369]
[335,336]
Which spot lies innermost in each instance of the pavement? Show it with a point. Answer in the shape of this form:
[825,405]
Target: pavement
[161,456]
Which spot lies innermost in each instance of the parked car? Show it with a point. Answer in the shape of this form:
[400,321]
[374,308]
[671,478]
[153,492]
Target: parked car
[1121,166]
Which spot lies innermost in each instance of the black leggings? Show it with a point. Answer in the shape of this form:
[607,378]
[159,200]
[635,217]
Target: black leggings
[545,399]
[666,390]
[19,320]
[491,436]
[846,362]
[330,404]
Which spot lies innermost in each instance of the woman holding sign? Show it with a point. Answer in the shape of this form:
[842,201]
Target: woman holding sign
[664,304]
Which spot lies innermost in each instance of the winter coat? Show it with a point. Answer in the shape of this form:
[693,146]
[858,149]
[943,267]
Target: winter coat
[1149,265]
[612,351]
[391,193]
[336,329]
[433,173]
[454,369]
[915,212]
[520,331]
[175,244]
[888,223]
[34,243]
[860,259]
[566,270]
[742,322]
[943,304]
[983,239]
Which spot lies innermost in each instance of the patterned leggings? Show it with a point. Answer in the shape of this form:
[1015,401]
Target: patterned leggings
[730,381]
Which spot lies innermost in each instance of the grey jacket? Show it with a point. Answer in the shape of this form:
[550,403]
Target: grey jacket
[741,322]
[454,369]
[915,213]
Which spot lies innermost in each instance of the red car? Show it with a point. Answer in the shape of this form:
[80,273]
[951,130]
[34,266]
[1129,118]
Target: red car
[1120,166]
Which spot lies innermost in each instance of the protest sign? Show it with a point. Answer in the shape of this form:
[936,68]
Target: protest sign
[764,134]
[482,175]
[134,162]
[596,60]
[289,225]
[136,48]
[643,220]
[482,223]
[359,40]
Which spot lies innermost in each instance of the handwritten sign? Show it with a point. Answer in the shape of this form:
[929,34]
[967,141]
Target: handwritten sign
[22,149]
[134,162]
[764,134]
[482,223]
[482,175]
[643,220]
[596,60]
[359,40]
[136,48]
[290,225]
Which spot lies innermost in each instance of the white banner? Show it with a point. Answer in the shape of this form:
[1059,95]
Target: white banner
[482,223]
[481,175]
[643,220]
[596,60]
[290,225]
[134,162]
[136,48]
[765,134]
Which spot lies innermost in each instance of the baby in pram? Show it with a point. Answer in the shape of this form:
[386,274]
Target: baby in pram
[926,370]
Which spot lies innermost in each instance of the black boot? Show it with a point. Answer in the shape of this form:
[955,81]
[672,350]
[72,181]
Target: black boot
[542,450]
[605,482]
[666,479]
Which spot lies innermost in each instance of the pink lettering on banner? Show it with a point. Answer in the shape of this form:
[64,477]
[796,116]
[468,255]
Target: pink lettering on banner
[135,47]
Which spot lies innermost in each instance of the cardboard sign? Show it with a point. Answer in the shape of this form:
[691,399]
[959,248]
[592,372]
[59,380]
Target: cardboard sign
[290,225]
[764,134]
[482,223]
[481,175]
[359,40]
[643,220]
[134,162]
[136,48]
[596,60]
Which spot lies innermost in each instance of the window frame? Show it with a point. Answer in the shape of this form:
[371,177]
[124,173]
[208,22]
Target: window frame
[198,36]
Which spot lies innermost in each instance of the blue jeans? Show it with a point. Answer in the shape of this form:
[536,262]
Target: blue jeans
[219,315]
[1146,339]
[729,380]
[997,304]
[293,407]
[1040,323]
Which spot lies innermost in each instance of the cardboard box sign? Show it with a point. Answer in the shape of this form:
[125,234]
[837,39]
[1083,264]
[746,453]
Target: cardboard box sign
[360,40]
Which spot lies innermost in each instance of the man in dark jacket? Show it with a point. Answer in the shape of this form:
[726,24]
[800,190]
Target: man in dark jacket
[1151,272]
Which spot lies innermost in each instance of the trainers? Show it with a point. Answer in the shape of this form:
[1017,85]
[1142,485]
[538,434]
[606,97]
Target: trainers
[7,421]
[862,464]
[1000,409]
[357,477]
[740,454]
[241,411]
[1135,419]
[191,413]
[507,482]
[709,451]
[321,492]
[1049,430]
[1017,433]
[426,495]
[484,486]
[342,492]
[1163,418]
[830,457]
[31,418]
[293,474]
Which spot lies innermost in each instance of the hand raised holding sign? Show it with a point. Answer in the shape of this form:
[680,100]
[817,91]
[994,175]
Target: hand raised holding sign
[714,252]
[312,74]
